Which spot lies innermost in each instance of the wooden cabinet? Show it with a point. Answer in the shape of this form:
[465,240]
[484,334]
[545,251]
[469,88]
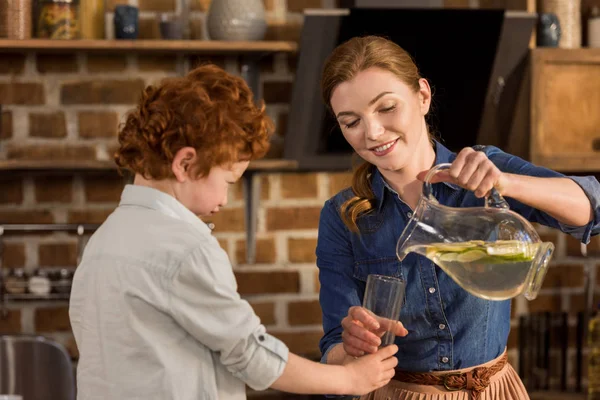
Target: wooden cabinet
[565,109]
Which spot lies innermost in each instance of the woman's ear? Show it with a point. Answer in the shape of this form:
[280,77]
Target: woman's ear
[424,95]
[182,163]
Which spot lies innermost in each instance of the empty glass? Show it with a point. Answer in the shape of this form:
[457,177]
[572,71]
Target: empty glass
[383,297]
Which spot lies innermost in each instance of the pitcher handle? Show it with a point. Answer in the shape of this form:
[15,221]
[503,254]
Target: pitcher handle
[492,199]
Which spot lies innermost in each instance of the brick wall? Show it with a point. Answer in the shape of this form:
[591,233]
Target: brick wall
[69,106]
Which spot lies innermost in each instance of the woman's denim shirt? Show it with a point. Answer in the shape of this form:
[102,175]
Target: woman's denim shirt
[448,327]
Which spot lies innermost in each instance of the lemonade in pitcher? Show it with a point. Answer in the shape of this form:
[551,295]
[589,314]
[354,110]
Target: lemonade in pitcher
[491,270]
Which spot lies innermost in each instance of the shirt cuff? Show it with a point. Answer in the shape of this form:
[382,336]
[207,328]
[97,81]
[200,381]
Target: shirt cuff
[268,360]
[584,233]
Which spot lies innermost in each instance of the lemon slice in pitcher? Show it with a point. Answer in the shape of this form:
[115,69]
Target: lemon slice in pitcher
[471,256]
[507,248]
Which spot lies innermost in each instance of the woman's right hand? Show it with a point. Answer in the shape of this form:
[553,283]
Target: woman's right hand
[363,330]
[372,371]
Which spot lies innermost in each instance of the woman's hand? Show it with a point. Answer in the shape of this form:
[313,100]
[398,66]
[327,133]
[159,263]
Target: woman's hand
[472,170]
[363,330]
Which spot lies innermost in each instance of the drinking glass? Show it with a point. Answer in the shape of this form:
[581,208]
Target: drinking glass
[383,298]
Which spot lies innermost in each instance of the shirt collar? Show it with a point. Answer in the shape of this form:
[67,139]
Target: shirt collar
[378,183]
[154,199]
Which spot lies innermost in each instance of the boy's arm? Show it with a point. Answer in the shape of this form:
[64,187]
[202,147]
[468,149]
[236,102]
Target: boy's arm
[203,299]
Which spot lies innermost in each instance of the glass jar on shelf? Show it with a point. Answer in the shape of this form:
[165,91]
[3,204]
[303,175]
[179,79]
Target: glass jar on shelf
[59,19]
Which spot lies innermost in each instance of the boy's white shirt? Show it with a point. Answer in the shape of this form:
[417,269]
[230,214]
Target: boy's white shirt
[156,314]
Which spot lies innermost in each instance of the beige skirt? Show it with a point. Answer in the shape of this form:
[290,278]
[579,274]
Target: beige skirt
[504,385]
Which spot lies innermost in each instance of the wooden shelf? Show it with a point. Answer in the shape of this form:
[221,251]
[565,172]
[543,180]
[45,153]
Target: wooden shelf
[84,165]
[157,46]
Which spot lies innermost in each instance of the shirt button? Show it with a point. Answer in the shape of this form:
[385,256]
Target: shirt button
[409,214]
[445,360]
[261,338]
[442,326]
[432,290]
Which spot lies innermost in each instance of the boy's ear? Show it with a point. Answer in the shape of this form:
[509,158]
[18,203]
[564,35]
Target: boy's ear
[182,163]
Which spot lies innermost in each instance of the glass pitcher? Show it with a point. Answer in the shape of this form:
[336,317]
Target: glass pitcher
[491,251]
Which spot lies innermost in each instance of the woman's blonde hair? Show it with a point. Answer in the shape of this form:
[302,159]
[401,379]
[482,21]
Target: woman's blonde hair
[344,63]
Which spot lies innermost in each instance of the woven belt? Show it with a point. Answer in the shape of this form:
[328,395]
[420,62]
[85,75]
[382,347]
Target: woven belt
[475,380]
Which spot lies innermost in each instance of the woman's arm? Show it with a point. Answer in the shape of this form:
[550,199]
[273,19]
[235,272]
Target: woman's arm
[540,194]
[561,198]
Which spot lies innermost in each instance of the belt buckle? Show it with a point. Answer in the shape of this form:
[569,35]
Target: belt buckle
[447,386]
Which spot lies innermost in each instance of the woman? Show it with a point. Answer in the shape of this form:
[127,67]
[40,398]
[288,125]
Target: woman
[380,101]
[154,305]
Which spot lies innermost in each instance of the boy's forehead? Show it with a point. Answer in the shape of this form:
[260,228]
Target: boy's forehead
[236,168]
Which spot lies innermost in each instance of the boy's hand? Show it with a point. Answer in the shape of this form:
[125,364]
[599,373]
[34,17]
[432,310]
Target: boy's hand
[372,371]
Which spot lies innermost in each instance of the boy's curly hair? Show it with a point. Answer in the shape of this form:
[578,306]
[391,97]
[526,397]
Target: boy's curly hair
[208,109]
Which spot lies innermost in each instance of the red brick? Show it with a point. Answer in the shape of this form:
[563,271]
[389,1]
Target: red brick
[305,344]
[545,302]
[12,63]
[563,276]
[6,128]
[267,282]
[269,5]
[265,251]
[52,319]
[102,92]
[151,63]
[277,92]
[156,5]
[289,31]
[304,313]
[106,63]
[98,124]
[26,217]
[89,216]
[104,188]
[50,152]
[293,218]
[200,5]
[228,220]
[11,188]
[148,29]
[57,254]
[48,125]
[56,63]
[22,93]
[301,5]
[54,189]
[265,311]
[577,302]
[302,250]
[339,181]
[13,255]
[11,323]
[299,186]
